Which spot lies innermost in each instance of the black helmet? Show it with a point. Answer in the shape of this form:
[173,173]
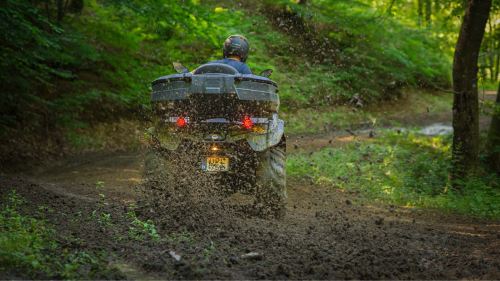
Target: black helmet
[236,45]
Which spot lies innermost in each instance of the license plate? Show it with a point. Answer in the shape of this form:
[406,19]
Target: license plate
[216,164]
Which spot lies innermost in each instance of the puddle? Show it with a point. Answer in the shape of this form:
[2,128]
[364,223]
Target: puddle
[437,129]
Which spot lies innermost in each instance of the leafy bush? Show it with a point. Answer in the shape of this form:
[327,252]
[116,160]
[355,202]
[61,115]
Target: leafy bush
[337,49]
[101,58]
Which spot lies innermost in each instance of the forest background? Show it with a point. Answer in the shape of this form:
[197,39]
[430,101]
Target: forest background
[75,75]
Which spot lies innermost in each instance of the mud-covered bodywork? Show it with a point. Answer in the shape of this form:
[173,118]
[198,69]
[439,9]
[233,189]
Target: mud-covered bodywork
[214,106]
[215,125]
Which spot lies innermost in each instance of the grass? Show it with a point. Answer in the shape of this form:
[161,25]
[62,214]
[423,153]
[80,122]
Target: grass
[29,246]
[144,231]
[411,105]
[405,169]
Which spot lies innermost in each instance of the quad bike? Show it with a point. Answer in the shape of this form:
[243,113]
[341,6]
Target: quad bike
[223,125]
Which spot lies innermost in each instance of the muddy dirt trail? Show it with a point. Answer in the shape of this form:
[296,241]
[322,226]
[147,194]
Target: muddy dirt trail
[326,234]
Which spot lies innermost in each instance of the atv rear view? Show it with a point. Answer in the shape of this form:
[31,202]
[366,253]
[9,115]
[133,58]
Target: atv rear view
[220,124]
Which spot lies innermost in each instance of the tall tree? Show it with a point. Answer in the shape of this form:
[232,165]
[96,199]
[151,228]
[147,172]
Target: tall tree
[465,103]
[493,142]
[60,10]
[428,12]
[420,9]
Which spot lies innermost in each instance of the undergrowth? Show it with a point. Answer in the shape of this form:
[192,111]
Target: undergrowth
[29,246]
[98,60]
[406,169]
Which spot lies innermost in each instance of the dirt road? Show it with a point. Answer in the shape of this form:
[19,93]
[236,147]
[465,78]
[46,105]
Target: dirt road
[325,234]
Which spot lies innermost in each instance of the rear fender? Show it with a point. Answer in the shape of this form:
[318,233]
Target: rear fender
[260,142]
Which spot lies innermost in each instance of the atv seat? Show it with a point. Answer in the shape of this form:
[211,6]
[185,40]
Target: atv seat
[215,68]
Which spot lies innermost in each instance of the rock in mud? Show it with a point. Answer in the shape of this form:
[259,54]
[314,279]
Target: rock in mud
[379,221]
[175,255]
[251,256]
[283,270]
[348,202]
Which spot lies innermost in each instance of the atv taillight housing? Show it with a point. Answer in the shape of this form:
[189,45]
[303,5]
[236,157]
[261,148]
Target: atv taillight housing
[181,122]
[247,123]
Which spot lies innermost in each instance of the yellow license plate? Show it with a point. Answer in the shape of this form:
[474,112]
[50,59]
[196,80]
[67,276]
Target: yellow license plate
[216,164]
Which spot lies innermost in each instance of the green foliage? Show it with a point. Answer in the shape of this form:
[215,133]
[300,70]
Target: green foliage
[487,85]
[141,230]
[489,59]
[35,51]
[144,231]
[406,169]
[478,196]
[30,245]
[98,60]
[355,50]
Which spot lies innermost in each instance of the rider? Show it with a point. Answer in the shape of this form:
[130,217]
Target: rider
[236,49]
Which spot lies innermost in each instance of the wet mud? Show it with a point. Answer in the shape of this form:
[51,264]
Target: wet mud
[325,234]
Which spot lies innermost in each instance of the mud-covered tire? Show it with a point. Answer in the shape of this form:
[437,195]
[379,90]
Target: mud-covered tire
[271,181]
[156,176]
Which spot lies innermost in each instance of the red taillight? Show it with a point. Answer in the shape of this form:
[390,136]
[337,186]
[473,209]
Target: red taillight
[247,123]
[181,122]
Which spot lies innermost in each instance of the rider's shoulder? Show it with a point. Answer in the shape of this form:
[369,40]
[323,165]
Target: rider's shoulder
[215,61]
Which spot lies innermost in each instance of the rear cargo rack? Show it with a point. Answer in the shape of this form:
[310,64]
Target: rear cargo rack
[213,95]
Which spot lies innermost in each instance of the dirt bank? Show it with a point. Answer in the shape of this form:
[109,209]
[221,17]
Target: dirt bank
[325,234]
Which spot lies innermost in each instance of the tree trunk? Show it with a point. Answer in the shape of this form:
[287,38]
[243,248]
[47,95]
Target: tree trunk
[493,142]
[437,5]
[47,10]
[497,70]
[420,9]
[465,103]
[491,58]
[60,10]
[76,6]
[428,12]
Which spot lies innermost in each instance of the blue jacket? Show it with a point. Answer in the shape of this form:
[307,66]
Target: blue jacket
[240,66]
